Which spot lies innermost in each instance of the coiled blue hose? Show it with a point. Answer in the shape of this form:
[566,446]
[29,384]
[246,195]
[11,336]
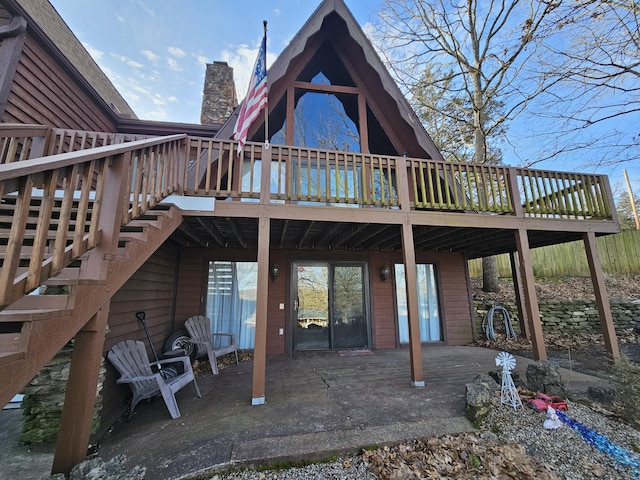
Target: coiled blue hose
[487,323]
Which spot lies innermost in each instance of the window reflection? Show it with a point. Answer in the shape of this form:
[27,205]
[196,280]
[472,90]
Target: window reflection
[327,121]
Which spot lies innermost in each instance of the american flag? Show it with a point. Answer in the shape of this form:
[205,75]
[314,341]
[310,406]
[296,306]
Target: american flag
[256,98]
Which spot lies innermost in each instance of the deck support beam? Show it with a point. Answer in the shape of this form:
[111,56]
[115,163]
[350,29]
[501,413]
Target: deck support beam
[519,294]
[80,396]
[411,277]
[602,298]
[530,297]
[262,301]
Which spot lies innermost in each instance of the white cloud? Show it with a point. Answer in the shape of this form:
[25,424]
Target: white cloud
[94,52]
[201,60]
[176,52]
[173,65]
[158,115]
[151,56]
[126,60]
[242,58]
[277,12]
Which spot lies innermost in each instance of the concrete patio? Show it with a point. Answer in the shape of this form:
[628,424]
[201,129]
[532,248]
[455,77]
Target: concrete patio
[318,404]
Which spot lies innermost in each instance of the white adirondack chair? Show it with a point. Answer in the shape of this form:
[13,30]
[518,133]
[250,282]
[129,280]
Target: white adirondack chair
[130,359]
[199,329]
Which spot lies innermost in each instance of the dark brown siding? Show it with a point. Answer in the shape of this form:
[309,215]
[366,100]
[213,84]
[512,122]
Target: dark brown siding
[455,308]
[454,297]
[150,290]
[43,93]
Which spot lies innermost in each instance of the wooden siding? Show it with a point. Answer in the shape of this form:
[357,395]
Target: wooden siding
[384,323]
[151,290]
[454,295]
[43,93]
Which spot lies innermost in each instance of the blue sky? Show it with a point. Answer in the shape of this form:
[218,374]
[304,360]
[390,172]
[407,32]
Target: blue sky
[155,52]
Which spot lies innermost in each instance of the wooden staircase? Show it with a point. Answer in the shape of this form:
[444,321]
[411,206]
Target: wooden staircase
[74,227]
[35,327]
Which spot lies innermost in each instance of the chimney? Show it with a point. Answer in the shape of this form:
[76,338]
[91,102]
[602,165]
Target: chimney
[219,96]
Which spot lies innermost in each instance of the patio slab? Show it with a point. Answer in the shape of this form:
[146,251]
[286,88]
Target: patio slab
[318,404]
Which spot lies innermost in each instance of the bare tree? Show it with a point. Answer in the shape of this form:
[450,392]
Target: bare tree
[477,51]
[595,105]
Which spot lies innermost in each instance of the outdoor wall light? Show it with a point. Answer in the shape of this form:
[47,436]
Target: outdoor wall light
[275,271]
[385,271]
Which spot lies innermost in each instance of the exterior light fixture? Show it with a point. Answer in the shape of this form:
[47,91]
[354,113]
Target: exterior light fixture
[275,271]
[385,271]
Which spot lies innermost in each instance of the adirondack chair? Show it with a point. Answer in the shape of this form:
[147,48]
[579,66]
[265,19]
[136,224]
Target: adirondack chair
[130,359]
[199,329]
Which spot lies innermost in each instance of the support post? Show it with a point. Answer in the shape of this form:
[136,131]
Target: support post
[411,277]
[530,297]
[602,298]
[114,193]
[517,288]
[80,397]
[260,346]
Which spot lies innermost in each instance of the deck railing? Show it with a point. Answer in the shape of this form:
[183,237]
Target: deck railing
[303,175]
[57,207]
[323,177]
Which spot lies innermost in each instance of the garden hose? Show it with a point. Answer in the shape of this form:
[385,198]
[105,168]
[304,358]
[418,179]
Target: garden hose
[487,323]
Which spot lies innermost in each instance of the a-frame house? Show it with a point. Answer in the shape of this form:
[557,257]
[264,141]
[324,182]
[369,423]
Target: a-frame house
[347,231]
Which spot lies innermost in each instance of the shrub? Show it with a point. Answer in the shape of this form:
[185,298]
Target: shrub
[626,376]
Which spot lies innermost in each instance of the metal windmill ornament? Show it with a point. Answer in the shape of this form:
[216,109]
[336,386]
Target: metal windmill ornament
[508,392]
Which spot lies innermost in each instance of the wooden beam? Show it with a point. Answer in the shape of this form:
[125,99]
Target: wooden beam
[80,396]
[530,297]
[217,236]
[285,226]
[260,344]
[411,276]
[193,235]
[304,235]
[602,299]
[519,293]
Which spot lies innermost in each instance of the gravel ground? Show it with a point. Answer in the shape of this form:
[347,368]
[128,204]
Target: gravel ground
[511,444]
[564,450]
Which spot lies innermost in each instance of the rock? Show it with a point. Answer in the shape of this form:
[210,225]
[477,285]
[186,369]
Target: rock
[544,376]
[515,376]
[487,379]
[98,469]
[114,469]
[479,394]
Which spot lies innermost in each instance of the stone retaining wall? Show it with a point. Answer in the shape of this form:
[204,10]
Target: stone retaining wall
[44,399]
[564,316]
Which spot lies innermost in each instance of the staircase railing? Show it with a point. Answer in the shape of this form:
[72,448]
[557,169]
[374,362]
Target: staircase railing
[71,191]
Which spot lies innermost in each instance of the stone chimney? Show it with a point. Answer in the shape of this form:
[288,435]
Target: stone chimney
[219,96]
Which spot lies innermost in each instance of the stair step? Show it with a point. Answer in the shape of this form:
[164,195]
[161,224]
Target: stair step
[38,302]
[33,315]
[9,342]
[9,357]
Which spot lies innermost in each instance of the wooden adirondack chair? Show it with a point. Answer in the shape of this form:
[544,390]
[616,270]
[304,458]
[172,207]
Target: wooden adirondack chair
[199,329]
[130,359]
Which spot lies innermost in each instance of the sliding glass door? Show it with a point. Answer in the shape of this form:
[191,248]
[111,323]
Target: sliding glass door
[329,306]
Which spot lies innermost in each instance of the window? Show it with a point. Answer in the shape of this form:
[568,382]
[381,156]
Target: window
[231,300]
[428,310]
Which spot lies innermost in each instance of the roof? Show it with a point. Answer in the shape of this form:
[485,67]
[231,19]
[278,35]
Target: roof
[332,21]
[46,22]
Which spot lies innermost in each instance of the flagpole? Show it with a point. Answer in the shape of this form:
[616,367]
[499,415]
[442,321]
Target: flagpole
[266,108]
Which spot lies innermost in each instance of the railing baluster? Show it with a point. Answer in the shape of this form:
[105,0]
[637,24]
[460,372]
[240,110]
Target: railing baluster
[83,207]
[16,238]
